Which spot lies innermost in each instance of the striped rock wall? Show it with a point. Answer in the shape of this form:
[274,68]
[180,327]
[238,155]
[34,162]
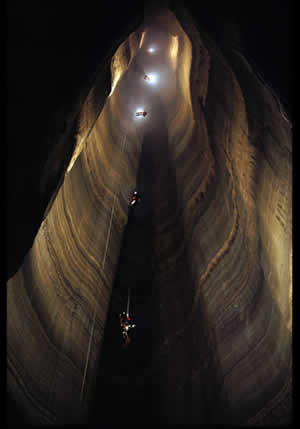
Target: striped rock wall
[60,295]
[221,246]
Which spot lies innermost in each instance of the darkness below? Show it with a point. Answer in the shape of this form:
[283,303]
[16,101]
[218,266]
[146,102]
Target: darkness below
[122,394]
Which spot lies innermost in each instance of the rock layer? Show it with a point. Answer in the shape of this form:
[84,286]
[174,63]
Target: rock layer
[221,237]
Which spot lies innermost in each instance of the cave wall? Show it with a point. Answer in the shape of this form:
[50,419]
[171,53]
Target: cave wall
[237,221]
[59,297]
[221,239]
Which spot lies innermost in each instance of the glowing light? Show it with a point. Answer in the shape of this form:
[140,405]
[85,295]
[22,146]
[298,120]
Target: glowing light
[151,50]
[174,50]
[142,39]
[140,112]
[77,151]
[116,80]
[151,78]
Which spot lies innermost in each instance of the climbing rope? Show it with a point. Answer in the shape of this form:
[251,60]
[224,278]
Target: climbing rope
[103,266]
[128,302]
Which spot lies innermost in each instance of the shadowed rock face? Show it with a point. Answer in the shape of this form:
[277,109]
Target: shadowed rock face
[220,198]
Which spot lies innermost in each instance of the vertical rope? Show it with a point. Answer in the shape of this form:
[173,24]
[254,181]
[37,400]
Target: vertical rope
[108,234]
[88,355]
[94,315]
[112,212]
[128,302]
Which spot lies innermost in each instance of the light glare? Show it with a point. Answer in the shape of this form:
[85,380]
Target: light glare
[117,76]
[174,50]
[151,78]
[142,39]
[139,113]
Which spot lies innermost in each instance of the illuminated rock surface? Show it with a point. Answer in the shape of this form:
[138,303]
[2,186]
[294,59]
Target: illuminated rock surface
[220,149]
